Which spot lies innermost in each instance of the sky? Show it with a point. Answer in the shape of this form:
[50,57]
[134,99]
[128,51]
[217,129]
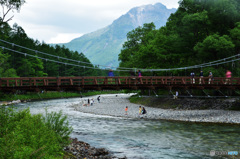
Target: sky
[60,21]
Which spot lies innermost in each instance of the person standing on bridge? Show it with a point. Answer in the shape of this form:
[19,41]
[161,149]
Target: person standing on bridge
[139,73]
[201,76]
[192,74]
[210,76]
[228,77]
[110,74]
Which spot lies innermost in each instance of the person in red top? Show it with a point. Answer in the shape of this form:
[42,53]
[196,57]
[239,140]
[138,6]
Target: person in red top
[228,76]
[126,110]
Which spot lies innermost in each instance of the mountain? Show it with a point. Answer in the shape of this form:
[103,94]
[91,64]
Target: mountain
[103,46]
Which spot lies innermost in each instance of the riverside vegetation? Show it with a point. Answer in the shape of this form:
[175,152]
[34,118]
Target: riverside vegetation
[23,135]
[50,95]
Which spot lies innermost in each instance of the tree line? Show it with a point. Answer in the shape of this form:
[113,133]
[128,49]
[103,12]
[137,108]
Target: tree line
[199,31]
[13,64]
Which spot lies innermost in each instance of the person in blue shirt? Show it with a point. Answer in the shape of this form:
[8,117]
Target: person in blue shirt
[110,73]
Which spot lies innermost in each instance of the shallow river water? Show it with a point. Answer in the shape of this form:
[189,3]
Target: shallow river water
[144,139]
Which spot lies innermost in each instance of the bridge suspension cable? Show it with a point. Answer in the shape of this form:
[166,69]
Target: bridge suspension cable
[124,69]
[26,54]
[59,57]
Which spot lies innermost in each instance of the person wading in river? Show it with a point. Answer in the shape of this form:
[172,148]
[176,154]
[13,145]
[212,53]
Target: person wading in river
[140,110]
[98,98]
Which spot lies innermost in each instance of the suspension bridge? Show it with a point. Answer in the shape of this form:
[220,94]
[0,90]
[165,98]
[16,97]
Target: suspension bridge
[38,84]
[112,83]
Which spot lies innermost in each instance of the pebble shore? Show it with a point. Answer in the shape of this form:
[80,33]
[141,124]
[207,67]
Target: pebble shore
[114,105]
[82,150]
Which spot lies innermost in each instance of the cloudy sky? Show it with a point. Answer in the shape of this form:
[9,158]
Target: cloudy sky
[60,21]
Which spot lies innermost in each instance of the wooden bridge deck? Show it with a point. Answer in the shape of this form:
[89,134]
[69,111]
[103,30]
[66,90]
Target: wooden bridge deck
[116,83]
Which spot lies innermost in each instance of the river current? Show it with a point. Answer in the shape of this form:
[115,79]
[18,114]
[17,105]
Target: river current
[141,138]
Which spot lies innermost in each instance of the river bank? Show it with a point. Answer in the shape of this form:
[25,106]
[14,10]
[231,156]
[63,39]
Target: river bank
[79,149]
[114,105]
[136,138]
[8,99]
[188,103]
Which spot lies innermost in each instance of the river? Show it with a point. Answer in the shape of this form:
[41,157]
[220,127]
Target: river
[142,138]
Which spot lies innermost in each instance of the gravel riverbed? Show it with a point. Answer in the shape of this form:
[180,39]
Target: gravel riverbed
[114,105]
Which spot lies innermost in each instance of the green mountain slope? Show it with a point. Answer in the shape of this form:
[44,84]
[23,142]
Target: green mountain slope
[103,46]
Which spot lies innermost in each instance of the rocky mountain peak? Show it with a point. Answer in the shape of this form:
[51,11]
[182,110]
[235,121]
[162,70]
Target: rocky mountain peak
[106,43]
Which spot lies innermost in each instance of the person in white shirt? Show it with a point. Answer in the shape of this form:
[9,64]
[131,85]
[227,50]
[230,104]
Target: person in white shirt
[176,95]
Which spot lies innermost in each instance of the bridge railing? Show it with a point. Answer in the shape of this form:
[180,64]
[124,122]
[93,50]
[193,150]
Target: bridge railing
[121,80]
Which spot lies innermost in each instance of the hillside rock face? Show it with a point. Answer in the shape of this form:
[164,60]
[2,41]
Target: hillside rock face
[103,46]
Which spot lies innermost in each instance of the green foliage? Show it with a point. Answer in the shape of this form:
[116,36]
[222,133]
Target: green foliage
[235,35]
[7,6]
[57,123]
[214,47]
[199,32]
[23,135]
[51,95]
[5,70]
[22,65]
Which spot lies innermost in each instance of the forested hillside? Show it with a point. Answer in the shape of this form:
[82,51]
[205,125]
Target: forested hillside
[18,53]
[18,61]
[199,31]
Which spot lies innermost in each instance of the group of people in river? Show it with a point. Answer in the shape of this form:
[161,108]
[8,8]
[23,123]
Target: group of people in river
[141,111]
[89,102]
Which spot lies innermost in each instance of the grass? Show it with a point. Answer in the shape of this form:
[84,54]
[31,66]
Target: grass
[51,95]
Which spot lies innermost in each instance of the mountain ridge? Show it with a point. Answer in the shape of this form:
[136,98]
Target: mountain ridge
[103,45]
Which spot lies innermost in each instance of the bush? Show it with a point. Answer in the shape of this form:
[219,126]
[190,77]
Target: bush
[23,135]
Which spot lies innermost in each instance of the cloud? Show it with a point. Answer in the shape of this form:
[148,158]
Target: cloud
[50,20]
[64,37]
